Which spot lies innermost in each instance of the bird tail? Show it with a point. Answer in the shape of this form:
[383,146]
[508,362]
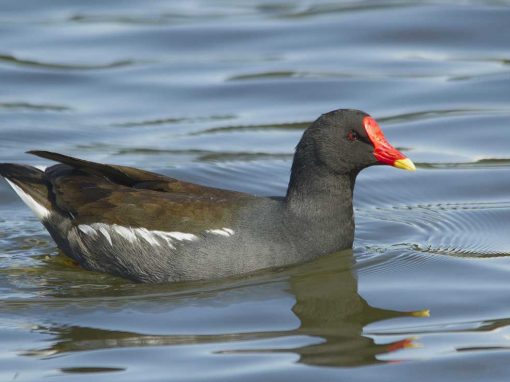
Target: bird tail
[30,185]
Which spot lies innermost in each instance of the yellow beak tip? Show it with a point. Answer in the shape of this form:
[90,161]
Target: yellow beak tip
[421,313]
[405,164]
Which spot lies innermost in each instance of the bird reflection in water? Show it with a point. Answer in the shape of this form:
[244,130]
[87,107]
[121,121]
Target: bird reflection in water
[327,304]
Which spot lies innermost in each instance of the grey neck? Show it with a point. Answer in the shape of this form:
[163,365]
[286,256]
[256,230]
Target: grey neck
[315,192]
[319,207]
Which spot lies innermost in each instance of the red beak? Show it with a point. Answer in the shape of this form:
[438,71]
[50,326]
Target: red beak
[384,152]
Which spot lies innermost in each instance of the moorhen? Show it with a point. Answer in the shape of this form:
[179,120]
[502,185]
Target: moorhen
[152,228]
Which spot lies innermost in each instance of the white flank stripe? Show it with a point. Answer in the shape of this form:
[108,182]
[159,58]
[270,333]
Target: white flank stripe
[125,232]
[182,236]
[40,211]
[165,236]
[147,235]
[154,238]
[87,230]
[105,232]
[222,232]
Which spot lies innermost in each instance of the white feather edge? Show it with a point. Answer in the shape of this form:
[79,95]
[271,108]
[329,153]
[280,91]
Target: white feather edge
[222,232]
[39,210]
[133,234]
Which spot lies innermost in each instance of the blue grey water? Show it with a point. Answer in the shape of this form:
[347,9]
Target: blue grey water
[219,93]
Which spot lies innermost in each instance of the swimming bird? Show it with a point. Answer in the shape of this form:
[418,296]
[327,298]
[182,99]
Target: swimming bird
[152,228]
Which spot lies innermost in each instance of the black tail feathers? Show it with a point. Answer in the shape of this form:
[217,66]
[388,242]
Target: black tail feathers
[13,171]
[29,179]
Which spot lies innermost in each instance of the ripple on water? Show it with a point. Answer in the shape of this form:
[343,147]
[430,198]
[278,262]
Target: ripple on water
[450,229]
[411,238]
[13,60]
[408,221]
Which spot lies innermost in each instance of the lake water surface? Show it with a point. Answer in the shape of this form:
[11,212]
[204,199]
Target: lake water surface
[219,93]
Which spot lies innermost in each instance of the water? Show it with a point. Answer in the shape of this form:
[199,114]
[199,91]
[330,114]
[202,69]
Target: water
[219,93]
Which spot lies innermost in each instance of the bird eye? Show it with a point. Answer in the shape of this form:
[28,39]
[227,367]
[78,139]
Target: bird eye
[352,136]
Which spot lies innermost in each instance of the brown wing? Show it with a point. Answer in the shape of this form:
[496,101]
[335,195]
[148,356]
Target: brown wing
[92,192]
